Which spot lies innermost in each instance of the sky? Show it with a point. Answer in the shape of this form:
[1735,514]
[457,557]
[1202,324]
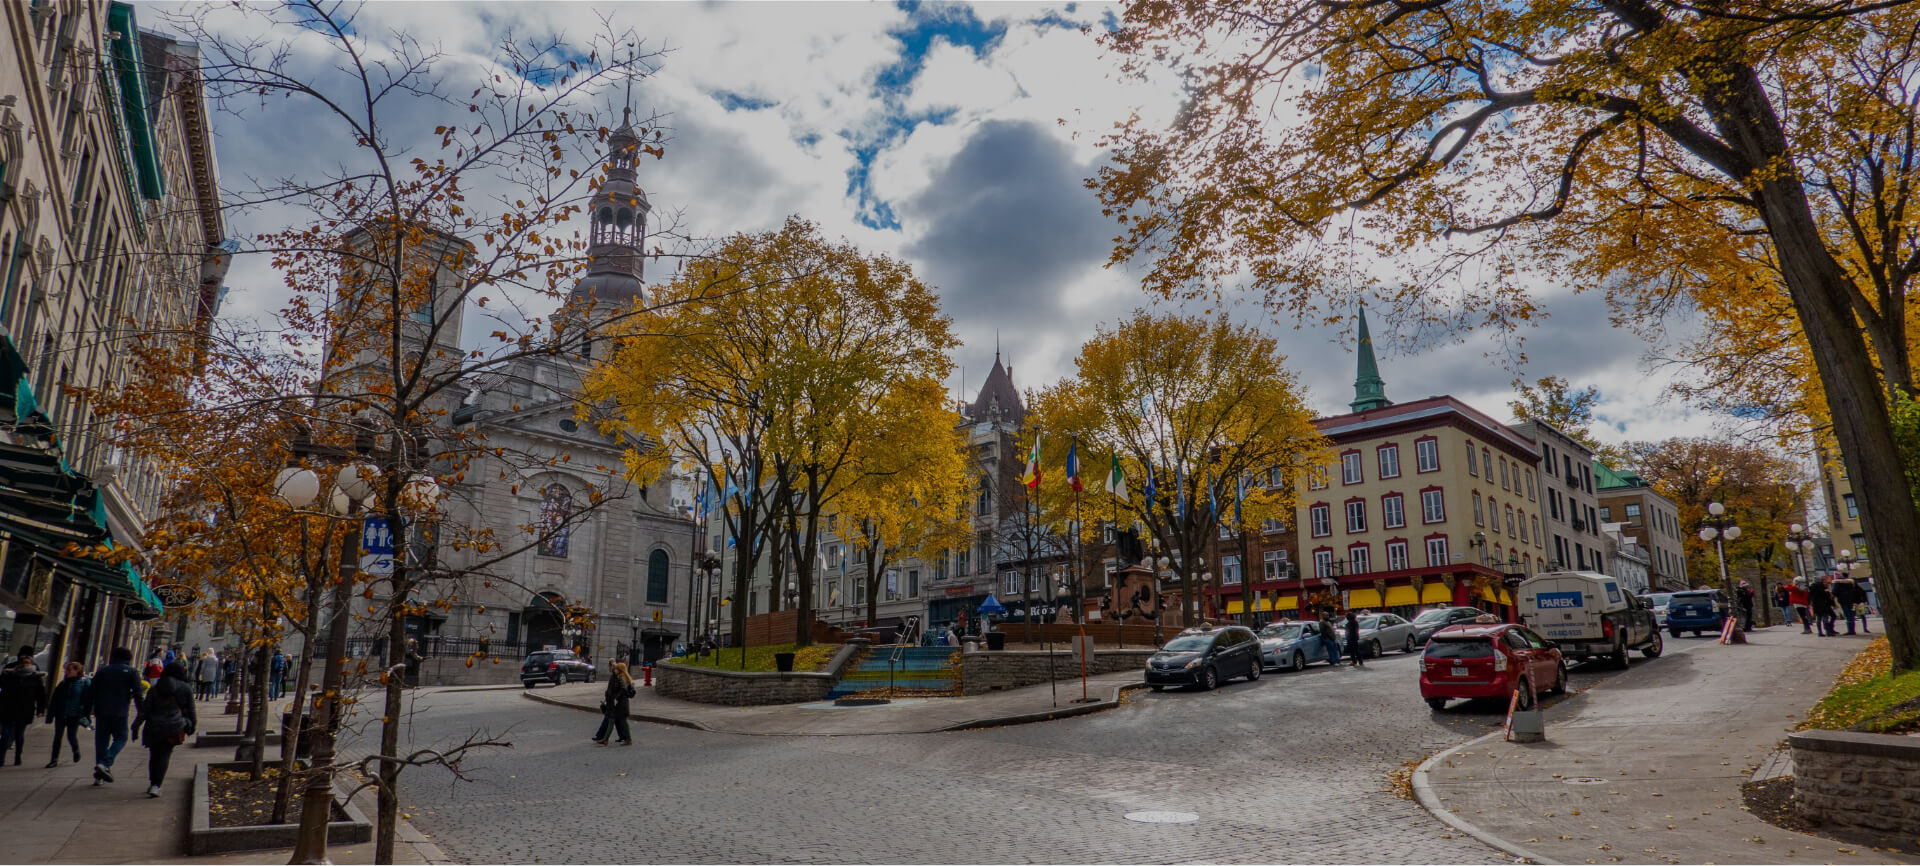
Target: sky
[956,137]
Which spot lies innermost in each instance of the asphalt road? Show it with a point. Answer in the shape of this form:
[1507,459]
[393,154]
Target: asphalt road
[1292,768]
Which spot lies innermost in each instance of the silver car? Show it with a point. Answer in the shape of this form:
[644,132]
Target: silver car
[1292,645]
[1380,632]
[1658,601]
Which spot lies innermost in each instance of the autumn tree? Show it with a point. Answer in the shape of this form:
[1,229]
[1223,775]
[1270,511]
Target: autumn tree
[1763,491]
[1675,155]
[1205,407]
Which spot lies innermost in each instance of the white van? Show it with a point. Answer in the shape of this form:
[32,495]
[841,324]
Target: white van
[1588,614]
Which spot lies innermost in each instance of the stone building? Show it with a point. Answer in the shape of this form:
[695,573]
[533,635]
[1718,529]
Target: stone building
[110,226]
[1625,558]
[1647,517]
[1847,539]
[1570,515]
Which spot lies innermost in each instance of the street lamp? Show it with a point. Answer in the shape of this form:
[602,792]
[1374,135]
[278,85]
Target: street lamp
[1800,541]
[1479,543]
[1719,529]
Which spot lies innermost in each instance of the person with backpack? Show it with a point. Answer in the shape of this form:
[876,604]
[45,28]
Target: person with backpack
[166,720]
[614,706]
[276,675]
[116,686]
[1783,603]
[1846,594]
[67,711]
[23,695]
[1820,598]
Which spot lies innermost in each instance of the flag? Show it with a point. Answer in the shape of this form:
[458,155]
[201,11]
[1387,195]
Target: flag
[1180,491]
[1073,465]
[1117,480]
[1147,494]
[1213,507]
[1031,477]
[1239,496]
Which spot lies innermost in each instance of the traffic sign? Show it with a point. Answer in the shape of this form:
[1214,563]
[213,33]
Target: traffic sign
[376,547]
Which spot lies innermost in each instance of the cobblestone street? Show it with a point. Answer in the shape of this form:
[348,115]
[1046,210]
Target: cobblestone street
[1291,768]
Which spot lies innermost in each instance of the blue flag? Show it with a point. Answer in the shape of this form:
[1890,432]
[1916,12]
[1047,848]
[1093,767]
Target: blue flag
[1180,491]
[1213,507]
[1239,496]
[1146,500]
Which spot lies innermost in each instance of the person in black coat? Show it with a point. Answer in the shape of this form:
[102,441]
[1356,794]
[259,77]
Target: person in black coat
[1820,598]
[67,711]
[23,695]
[115,689]
[1356,657]
[614,706]
[166,720]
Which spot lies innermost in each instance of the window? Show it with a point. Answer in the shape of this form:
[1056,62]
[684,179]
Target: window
[1586,478]
[1357,515]
[1275,477]
[1033,583]
[983,552]
[1523,526]
[1510,530]
[657,568]
[1580,554]
[1351,472]
[983,499]
[1009,583]
[1317,479]
[556,506]
[1359,559]
[940,566]
[1606,514]
[1274,563]
[1389,457]
[1396,555]
[1486,458]
[1226,530]
[1632,513]
[1433,507]
[1853,507]
[1437,551]
[913,583]
[1393,509]
[1860,547]
[1272,524]
[1530,497]
[1478,518]
[1503,475]
[1426,454]
[893,584]
[1230,569]
[1553,503]
[1323,563]
[960,563]
[1321,519]
[1473,465]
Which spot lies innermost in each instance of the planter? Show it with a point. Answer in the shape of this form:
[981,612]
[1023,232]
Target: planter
[783,662]
[230,739]
[203,838]
[996,640]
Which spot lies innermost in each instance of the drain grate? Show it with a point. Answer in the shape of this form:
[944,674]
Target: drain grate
[1163,817]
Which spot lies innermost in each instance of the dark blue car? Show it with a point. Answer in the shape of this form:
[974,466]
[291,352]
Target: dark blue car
[1696,611]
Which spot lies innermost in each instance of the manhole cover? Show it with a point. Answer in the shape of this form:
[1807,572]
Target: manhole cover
[1582,780]
[1163,817]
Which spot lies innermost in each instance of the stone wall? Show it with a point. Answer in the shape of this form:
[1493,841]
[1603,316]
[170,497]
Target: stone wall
[739,689]
[986,671]
[1853,779]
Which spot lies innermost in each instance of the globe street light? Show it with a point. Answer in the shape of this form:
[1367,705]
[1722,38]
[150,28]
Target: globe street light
[1719,529]
[1800,541]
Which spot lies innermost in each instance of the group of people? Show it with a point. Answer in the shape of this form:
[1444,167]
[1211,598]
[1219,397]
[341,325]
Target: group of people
[216,675]
[1820,602]
[160,702]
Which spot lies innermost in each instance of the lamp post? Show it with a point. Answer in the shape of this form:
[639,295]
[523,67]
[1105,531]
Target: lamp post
[1479,543]
[1801,542]
[1719,529]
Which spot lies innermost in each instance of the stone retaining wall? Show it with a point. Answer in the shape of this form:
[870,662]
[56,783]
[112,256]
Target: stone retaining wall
[740,689]
[1854,779]
[986,671]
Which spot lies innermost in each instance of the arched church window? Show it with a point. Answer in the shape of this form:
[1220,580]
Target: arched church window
[657,577]
[556,505]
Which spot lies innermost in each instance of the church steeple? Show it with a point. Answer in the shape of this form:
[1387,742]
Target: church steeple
[617,224]
[1369,390]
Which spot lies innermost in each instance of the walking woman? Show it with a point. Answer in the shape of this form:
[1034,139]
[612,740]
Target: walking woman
[67,710]
[166,720]
[1353,640]
[613,707]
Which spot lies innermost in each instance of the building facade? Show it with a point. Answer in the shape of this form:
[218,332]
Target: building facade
[1650,519]
[1847,539]
[1569,507]
[1626,559]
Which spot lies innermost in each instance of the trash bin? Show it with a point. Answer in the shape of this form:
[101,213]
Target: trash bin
[996,640]
[783,662]
[304,747]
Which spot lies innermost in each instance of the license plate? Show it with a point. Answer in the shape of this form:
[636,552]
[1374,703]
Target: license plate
[1459,671]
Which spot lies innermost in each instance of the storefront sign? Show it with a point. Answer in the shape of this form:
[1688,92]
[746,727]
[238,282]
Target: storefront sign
[139,612]
[177,595]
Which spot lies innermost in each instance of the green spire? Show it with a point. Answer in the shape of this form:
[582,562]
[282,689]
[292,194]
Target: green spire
[1369,390]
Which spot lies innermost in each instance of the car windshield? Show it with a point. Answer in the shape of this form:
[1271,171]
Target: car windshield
[1189,643]
[1459,648]
[1435,615]
[539,658]
[1657,598]
[1285,632]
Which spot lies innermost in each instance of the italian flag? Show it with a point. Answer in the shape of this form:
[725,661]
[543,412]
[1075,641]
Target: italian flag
[1031,477]
[1116,482]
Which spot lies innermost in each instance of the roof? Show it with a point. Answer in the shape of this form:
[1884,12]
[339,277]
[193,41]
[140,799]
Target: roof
[1435,409]
[998,399]
[1605,476]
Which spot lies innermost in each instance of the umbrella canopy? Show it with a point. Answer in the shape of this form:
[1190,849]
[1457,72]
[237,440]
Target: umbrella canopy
[991,605]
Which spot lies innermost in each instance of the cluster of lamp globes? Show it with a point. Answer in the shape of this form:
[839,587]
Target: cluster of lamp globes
[299,487]
[1710,533]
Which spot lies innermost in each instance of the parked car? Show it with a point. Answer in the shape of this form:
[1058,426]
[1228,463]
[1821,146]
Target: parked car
[1434,619]
[1380,632]
[1588,615]
[554,666]
[1697,610]
[1204,657]
[1658,601]
[1292,645]
[1490,660]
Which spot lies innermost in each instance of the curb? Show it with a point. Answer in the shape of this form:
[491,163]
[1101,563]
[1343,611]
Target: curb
[991,722]
[405,834]
[1423,791]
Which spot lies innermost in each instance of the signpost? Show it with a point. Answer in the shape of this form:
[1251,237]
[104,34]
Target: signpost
[177,595]
[376,547]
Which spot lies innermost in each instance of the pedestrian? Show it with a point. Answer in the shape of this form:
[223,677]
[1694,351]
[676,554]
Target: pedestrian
[1783,604]
[23,695]
[154,666]
[1797,596]
[1744,592]
[230,675]
[276,669]
[206,672]
[614,706]
[1846,594]
[1820,598]
[115,688]
[164,661]
[166,720]
[1353,640]
[1329,645]
[1867,603]
[67,710]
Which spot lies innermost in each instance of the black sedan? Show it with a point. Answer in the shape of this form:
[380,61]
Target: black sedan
[554,666]
[1205,656]
[1434,619]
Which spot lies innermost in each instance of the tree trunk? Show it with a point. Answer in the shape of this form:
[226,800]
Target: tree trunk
[257,714]
[387,804]
[290,733]
[316,806]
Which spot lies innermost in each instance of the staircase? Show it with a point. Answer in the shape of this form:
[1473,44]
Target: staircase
[919,671]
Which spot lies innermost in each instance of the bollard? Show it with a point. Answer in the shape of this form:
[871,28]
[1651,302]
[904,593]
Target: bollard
[646,672]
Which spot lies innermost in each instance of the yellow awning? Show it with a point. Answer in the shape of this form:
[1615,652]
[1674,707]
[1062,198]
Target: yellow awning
[1505,598]
[1235,606]
[1364,598]
[1287,602]
[1489,595]
[1402,596]
[1436,593]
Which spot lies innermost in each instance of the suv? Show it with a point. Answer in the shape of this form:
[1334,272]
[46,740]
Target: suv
[1696,610]
[1490,660]
[1205,656]
[1434,619]
[554,666]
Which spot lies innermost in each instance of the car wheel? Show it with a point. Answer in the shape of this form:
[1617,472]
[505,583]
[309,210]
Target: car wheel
[527,683]
[1409,649]
[1437,704]
[1209,679]
[1675,632]
[1620,652]
[1299,661]
[1526,694]
[1156,687]
[1254,674]
[1373,650]
[1560,682]
[559,680]
[1654,647]
[1696,632]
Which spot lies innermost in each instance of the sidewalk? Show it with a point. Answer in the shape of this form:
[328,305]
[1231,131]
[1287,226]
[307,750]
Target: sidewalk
[903,716]
[1648,768]
[57,816]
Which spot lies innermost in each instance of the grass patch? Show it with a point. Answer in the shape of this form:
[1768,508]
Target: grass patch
[760,658]
[1867,696]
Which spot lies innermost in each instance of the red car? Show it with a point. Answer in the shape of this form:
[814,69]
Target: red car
[1490,660]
